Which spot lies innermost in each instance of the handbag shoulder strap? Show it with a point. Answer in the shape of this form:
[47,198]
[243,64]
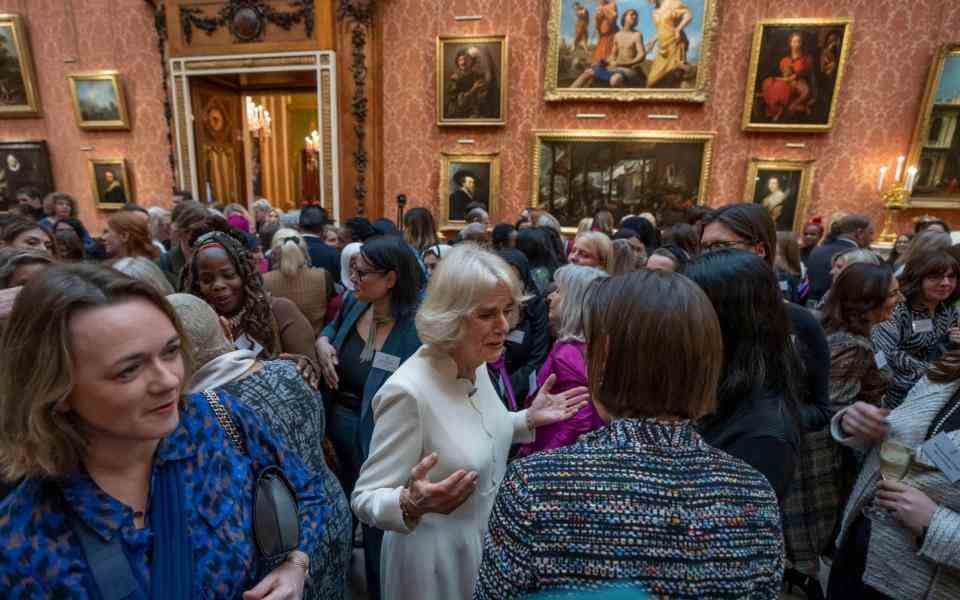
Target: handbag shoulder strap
[108,563]
[225,420]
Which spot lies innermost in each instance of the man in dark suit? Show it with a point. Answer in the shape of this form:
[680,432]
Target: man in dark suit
[850,232]
[466,187]
[312,220]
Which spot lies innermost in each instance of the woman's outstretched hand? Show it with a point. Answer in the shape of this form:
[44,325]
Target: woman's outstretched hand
[421,496]
[548,408]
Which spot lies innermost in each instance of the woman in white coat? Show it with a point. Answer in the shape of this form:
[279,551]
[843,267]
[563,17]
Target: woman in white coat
[441,434]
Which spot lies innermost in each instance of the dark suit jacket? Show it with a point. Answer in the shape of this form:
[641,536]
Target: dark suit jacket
[528,356]
[323,256]
[458,205]
[820,263]
[402,342]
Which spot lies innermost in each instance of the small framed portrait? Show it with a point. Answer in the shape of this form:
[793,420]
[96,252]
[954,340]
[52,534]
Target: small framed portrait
[24,165]
[796,73]
[466,179]
[630,50]
[110,182]
[98,101]
[470,81]
[782,187]
[18,83]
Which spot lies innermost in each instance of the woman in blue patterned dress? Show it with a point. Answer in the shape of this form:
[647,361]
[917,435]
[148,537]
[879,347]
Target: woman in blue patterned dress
[116,462]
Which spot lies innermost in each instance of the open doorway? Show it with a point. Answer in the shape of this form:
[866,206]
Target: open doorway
[259,126]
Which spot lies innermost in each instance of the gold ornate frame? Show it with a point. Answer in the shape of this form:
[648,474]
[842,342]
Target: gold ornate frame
[749,97]
[922,129]
[503,83]
[698,94]
[120,165]
[491,158]
[806,169]
[608,135]
[114,77]
[22,46]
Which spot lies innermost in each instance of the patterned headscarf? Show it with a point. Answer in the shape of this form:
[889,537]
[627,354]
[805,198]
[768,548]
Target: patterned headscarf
[256,316]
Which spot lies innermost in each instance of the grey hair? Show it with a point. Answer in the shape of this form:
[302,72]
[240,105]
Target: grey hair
[145,270]
[549,221]
[157,215]
[438,250]
[201,326]
[349,251]
[859,255]
[574,283]
[465,277]
[12,259]
[290,219]
[263,204]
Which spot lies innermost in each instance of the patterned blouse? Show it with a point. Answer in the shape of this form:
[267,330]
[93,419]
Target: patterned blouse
[42,557]
[909,352]
[631,505]
[281,397]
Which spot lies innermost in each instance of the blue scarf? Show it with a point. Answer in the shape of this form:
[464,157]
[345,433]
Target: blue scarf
[172,574]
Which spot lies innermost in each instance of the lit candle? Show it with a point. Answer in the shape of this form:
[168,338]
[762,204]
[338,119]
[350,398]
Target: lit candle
[883,175]
[911,178]
[900,160]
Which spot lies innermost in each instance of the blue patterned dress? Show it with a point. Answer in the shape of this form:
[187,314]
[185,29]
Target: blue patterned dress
[42,557]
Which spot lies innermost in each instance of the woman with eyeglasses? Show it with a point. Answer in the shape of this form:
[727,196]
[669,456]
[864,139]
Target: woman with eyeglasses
[223,272]
[294,279]
[371,337]
[924,326]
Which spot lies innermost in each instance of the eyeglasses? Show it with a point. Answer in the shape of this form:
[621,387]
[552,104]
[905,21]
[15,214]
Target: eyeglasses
[717,246]
[941,277]
[361,274]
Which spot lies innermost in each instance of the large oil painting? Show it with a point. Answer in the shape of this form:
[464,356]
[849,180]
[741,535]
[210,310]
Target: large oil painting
[796,73]
[782,187]
[578,171]
[936,151]
[630,50]
[471,86]
[18,84]
[466,179]
[98,101]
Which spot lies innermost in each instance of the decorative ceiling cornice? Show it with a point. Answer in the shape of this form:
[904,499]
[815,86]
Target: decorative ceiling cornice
[247,19]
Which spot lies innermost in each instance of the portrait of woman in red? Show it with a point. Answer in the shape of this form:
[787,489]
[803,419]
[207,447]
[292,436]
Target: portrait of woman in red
[791,93]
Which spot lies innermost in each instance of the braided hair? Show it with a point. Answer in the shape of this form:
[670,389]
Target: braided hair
[256,317]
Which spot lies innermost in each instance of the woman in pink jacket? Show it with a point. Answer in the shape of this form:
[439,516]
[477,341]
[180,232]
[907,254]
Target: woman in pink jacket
[567,359]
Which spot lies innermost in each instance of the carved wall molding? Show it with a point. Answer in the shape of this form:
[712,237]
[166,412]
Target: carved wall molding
[361,12]
[160,23]
[247,19]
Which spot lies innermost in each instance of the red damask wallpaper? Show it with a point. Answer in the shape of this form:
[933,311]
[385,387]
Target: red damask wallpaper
[69,37]
[893,45]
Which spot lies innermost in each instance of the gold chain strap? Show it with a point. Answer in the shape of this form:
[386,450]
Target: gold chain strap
[226,421]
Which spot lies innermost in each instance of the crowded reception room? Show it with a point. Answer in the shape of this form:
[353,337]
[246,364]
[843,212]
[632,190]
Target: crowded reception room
[473,299]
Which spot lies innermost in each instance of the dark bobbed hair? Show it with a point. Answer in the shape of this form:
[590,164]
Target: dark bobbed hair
[926,264]
[654,346]
[75,224]
[420,228]
[758,350]
[501,235]
[391,253]
[847,225]
[387,228]
[645,230]
[68,245]
[859,290]
[686,237]
[313,218]
[749,222]
[537,244]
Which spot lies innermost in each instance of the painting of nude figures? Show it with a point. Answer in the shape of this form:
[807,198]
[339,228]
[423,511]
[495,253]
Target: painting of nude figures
[795,75]
[470,86]
[630,50]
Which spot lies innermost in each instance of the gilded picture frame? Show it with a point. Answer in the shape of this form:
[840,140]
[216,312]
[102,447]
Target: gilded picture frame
[932,149]
[678,85]
[110,183]
[20,97]
[98,100]
[630,172]
[787,195]
[456,191]
[472,85]
[778,98]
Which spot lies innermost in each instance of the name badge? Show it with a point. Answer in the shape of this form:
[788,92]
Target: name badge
[923,326]
[386,362]
[516,336]
[784,286]
[881,359]
[532,384]
[944,453]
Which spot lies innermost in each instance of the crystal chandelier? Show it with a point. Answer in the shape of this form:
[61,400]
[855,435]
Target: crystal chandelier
[258,119]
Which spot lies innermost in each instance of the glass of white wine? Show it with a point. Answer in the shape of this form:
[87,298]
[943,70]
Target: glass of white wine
[895,462]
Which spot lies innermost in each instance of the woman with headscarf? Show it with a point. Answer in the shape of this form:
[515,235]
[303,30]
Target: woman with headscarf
[528,343]
[223,273]
[282,398]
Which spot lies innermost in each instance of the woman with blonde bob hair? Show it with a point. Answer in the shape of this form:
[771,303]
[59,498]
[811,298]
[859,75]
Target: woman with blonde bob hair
[439,416]
[308,287]
[106,445]
[593,249]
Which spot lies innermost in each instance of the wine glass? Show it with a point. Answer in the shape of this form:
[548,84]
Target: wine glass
[895,462]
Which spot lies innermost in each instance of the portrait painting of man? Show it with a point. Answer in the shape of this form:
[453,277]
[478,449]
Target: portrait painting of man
[110,182]
[467,180]
[470,87]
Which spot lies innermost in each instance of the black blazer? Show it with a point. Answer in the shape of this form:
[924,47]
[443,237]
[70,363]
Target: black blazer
[526,357]
[323,256]
[820,263]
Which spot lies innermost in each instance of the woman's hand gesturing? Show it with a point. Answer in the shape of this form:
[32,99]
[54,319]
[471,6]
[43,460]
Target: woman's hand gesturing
[548,408]
[421,496]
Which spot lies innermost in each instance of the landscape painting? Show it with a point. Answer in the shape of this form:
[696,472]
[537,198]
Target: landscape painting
[18,85]
[630,49]
[98,100]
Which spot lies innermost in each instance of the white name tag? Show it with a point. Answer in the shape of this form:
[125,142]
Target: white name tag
[944,453]
[784,286]
[881,359]
[923,326]
[516,336]
[386,362]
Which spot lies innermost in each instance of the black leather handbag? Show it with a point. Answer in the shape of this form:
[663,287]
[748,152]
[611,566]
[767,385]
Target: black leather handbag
[276,515]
